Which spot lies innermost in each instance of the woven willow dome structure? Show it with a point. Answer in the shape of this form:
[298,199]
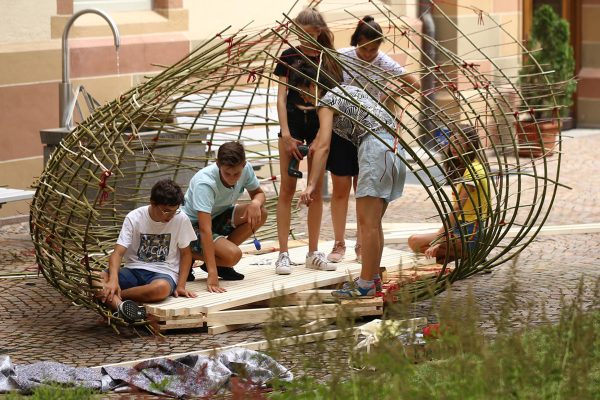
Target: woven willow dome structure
[171,125]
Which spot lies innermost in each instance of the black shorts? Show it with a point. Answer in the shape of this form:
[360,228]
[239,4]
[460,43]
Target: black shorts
[343,157]
[303,125]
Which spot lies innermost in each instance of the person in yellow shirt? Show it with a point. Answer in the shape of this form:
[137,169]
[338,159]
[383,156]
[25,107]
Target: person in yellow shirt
[471,181]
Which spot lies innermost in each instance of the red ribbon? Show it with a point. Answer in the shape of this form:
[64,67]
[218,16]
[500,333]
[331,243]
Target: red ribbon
[105,175]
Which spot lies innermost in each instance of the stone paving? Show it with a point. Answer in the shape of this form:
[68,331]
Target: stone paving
[37,323]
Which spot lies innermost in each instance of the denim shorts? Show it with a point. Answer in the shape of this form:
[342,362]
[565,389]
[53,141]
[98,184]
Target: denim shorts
[133,277]
[381,173]
[222,226]
[471,230]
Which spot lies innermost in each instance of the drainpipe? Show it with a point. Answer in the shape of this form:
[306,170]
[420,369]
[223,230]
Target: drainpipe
[428,81]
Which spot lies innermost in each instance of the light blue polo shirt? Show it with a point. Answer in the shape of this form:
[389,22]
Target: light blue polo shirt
[206,192]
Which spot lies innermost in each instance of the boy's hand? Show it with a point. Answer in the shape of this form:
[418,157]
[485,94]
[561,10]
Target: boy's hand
[182,291]
[110,290]
[212,284]
[252,215]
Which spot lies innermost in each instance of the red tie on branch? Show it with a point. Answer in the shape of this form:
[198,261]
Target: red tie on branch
[229,42]
[105,175]
[479,13]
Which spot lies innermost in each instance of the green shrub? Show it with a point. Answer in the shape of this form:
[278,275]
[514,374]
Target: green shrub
[549,44]
[547,361]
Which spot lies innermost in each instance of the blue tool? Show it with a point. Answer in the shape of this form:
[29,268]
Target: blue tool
[256,242]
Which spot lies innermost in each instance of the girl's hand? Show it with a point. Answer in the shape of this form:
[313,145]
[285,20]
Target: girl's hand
[291,146]
[432,251]
[306,196]
[212,284]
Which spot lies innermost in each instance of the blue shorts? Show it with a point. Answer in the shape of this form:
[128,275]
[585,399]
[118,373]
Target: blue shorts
[381,173]
[471,231]
[133,277]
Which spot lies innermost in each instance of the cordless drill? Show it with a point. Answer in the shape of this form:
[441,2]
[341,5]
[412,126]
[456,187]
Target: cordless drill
[293,170]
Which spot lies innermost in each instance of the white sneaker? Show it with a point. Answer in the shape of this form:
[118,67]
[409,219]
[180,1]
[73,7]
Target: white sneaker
[317,260]
[283,266]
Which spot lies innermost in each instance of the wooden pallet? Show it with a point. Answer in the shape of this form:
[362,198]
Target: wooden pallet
[221,311]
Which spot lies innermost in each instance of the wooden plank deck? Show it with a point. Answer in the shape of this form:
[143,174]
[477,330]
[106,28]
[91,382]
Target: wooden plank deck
[262,283]
[398,233]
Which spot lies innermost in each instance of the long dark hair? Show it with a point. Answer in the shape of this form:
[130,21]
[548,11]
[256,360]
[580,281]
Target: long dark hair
[312,17]
[367,28]
[303,74]
[455,166]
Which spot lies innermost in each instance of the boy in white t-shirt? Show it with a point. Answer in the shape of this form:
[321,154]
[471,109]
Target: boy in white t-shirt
[154,242]
[221,224]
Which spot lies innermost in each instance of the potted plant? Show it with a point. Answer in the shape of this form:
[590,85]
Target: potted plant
[549,90]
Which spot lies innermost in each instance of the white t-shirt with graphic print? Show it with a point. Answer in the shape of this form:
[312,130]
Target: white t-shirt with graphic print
[382,68]
[154,246]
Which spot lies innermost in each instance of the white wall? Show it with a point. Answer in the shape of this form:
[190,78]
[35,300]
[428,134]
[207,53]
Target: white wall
[36,14]
[208,17]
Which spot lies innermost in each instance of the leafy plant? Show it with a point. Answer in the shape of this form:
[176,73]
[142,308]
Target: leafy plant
[550,48]
[527,358]
[55,391]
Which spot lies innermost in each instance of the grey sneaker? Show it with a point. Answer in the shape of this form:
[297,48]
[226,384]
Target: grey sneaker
[130,311]
[283,266]
[350,285]
[317,260]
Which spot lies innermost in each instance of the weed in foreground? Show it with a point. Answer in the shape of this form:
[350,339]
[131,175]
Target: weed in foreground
[522,360]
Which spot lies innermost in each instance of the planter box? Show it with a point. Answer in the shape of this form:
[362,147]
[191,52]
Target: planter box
[537,143]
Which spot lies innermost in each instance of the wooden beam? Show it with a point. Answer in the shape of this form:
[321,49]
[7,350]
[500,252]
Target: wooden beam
[260,315]
[401,237]
[216,329]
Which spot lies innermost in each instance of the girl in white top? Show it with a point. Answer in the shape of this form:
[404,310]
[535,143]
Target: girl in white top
[374,66]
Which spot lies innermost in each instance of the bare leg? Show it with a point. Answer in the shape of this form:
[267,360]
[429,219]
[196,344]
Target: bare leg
[358,233]
[369,212]
[339,205]
[242,229]
[284,202]
[381,238]
[315,213]
[420,242]
[227,253]
[156,290]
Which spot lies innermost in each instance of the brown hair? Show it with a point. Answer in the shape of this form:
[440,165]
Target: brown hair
[367,28]
[312,17]
[455,166]
[231,154]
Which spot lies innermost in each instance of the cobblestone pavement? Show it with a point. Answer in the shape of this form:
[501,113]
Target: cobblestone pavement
[39,324]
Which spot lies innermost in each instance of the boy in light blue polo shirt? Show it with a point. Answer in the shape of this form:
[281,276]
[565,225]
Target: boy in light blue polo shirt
[220,223]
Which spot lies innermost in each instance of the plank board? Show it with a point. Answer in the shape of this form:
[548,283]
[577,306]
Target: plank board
[8,195]
[398,233]
[260,315]
[262,283]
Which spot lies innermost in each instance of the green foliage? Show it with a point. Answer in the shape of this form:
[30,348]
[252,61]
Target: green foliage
[549,42]
[56,392]
[547,361]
